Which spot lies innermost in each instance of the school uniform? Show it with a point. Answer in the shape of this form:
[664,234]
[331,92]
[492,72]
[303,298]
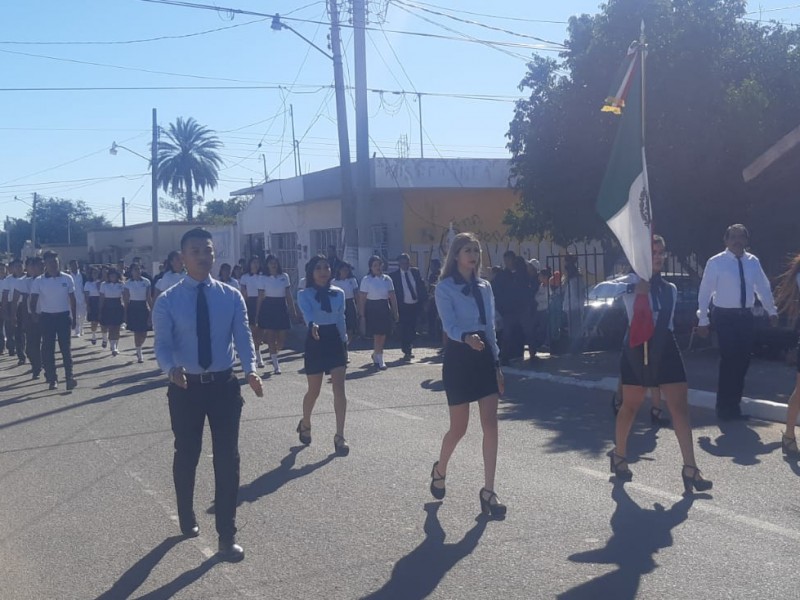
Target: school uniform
[201,326]
[324,307]
[53,304]
[467,308]
[33,335]
[350,288]
[93,304]
[19,289]
[274,312]
[251,284]
[731,283]
[233,283]
[2,316]
[377,312]
[80,302]
[6,293]
[168,279]
[112,313]
[411,297]
[137,313]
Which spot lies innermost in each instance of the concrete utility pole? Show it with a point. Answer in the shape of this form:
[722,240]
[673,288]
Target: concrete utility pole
[349,210]
[33,220]
[123,211]
[154,189]
[8,236]
[363,179]
[69,231]
[295,145]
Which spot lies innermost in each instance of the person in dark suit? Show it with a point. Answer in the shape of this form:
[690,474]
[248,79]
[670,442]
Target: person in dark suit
[412,295]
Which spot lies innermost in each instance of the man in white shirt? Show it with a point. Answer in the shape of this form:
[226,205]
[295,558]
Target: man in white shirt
[732,279]
[53,296]
[411,296]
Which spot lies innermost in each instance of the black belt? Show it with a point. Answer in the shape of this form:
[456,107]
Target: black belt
[206,378]
[734,311]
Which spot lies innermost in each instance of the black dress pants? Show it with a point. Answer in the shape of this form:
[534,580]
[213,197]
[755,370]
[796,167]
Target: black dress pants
[222,403]
[408,314]
[33,344]
[735,333]
[8,328]
[2,331]
[56,326]
[19,328]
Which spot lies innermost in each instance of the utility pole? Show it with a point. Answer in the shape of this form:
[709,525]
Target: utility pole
[69,231]
[363,179]
[295,144]
[33,220]
[264,162]
[8,236]
[349,210]
[123,211]
[154,189]
[421,141]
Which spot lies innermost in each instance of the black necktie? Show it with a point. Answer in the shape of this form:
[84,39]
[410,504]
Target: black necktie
[410,287]
[203,329]
[742,287]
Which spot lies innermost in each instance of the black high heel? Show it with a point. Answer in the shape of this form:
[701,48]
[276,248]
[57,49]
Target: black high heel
[616,463]
[495,509]
[304,433]
[789,446]
[656,420]
[437,492]
[695,480]
[340,445]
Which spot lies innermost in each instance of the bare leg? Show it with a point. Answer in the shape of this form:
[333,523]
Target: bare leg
[794,409]
[632,398]
[339,398]
[380,340]
[459,419]
[488,412]
[655,397]
[677,398]
[139,337]
[310,399]
[280,341]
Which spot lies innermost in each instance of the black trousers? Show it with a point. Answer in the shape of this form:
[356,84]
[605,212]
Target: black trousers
[222,404]
[513,336]
[8,328]
[2,330]
[33,344]
[408,314]
[735,332]
[56,326]
[19,327]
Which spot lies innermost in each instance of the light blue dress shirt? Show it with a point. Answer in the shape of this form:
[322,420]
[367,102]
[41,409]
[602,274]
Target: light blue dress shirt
[460,314]
[175,325]
[313,313]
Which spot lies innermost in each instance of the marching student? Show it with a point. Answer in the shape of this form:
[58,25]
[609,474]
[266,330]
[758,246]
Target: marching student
[377,308]
[137,301]
[18,311]
[346,281]
[323,307]
[91,292]
[663,369]
[80,298]
[112,313]
[236,273]
[200,325]
[224,276]
[171,276]
[33,329]
[250,284]
[471,371]
[6,294]
[412,296]
[53,303]
[3,282]
[788,302]
[732,279]
[275,303]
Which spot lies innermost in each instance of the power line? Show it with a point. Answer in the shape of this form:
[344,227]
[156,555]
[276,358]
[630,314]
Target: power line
[488,16]
[767,10]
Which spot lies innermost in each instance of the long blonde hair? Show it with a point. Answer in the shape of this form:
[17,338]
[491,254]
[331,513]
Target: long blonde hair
[451,262]
[787,294]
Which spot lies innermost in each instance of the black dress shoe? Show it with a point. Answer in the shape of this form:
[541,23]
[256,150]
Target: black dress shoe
[53,385]
[230,551]
[191,532]
[35,375]
[72,384]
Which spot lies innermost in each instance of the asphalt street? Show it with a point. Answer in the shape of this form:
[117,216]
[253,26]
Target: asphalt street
[87,506]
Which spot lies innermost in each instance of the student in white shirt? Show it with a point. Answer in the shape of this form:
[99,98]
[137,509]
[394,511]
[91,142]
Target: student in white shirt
[732,279]
[225,276]
[275,309]
[112,313]
[33,329]
[13,309]
[136,299]
[3,276]
[91,292]
[377,307]
[250,285]
[788,302]
[80,300]
[174,274]
[345,280]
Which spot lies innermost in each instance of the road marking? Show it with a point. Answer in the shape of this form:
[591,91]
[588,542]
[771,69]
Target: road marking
[766,526]
[391,411]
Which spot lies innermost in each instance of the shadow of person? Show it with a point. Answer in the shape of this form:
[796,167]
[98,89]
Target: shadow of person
[418,573]
[433,385]
[738,442]
[273,480]
[184,580]
[638,534]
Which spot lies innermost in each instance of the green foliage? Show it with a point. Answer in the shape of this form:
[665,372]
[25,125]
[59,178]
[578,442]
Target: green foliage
[221,212]
[720,90]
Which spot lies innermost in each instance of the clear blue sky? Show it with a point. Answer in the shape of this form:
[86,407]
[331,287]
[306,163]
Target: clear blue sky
[56,143]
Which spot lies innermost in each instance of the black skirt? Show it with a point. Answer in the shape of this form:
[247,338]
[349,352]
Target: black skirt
[378,316]
[665,364]
[468,375]
[351,314]
[93,309]
[136,319]
[274,314]
[251,302]
[113,314]
[325,354]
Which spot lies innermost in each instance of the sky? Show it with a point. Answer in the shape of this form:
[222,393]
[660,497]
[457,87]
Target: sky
[57,142]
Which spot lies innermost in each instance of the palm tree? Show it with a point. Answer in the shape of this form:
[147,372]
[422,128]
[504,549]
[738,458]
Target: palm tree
[188,161]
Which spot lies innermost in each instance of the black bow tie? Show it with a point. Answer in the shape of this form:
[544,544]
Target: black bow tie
[324,298]
[472,288]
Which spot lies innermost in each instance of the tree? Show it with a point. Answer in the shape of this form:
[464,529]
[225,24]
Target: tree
[720,90]
[188,161]
[222,212]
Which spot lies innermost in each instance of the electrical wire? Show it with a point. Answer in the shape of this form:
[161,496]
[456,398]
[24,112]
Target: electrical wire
[488,16]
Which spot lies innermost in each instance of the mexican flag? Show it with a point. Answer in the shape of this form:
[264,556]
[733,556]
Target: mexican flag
[624,200]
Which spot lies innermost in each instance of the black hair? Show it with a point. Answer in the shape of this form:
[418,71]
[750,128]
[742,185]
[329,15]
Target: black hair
[198,233]
[736,227]
[344,265]
[113,272]
[509,254]
[372,260]
[223,266]
[250,265]
[267,260]
[50,254]
[404,256]
[310,266]
[16,261]
[172,255]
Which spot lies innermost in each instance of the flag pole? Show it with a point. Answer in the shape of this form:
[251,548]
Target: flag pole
[643,57]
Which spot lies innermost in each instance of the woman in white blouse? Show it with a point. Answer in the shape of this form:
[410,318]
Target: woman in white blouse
[91,290]
[137,301]
[250,284]
[346,281]
[112,313]
[377,307]
[275,303]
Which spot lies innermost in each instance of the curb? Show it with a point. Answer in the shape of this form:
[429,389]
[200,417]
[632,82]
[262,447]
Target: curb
[765,410]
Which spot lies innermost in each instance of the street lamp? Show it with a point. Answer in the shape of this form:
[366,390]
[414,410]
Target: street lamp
[115,147]
[277,25]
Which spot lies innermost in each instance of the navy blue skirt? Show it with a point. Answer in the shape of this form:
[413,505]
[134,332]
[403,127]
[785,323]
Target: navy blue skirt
[326,353]
[274,314]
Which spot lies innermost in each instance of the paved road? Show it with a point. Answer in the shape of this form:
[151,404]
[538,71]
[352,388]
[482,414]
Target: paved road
[87,510]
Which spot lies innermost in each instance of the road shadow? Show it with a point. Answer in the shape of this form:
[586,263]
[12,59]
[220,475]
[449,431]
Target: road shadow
[130,379]
[637,535]
[739,442]
[416,575]
[432,385]
[134,577]
[271,481]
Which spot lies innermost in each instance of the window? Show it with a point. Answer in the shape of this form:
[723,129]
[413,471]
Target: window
[284,247]
[380,241]
[321,239]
